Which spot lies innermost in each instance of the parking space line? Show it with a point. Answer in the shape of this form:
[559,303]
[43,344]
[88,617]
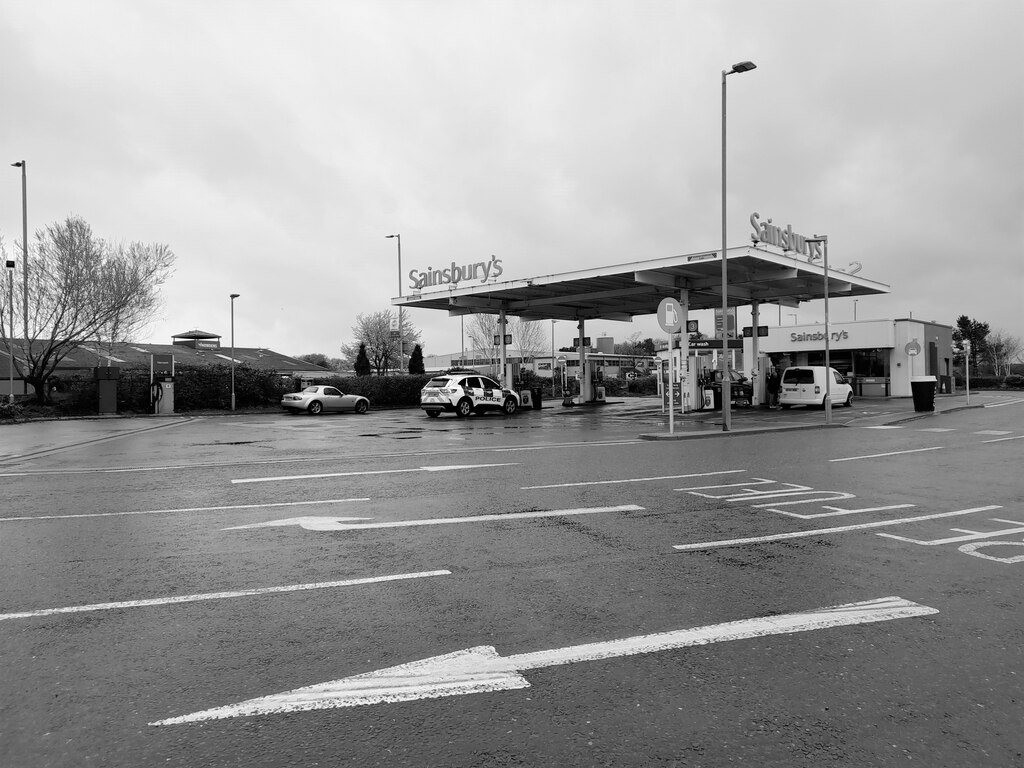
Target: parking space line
[825,531]
[444,468]
[892,453]
[633,480]
[1003,439]
[222,595]
[227,508]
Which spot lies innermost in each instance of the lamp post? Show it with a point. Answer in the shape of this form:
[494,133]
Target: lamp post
[233,297]
[828,363]
[743,66]
[24,236]
[401,346]
[10,328]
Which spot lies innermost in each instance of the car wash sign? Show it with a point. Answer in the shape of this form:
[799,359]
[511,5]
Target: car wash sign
[453,274]
[786,239]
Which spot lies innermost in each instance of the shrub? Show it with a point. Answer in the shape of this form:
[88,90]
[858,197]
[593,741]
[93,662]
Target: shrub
[1014,381]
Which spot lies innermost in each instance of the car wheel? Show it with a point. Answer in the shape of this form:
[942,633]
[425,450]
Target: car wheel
[464,408]
[316,408]
[362,406]
[433,414]
[785,406]
[849,401]
[509,406]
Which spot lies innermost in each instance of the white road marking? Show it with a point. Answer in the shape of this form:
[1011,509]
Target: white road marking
[893,453]
[336,524]
[994,432]
[598,444]
[838,511]
[824,531]
[1008,402]
[748,491]
[444,468]
[481,669]
[938,429]
[1003,439]
[187,509]
[221,595]
[629,480]
[884,426]
[969,535]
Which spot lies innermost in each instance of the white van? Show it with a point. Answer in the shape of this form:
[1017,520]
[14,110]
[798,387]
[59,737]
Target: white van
[805,385]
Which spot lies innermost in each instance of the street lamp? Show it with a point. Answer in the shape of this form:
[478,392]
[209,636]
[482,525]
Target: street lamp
[401,346]
[24,235]
[828,368]
[743,66]
[233,297]
[10,329]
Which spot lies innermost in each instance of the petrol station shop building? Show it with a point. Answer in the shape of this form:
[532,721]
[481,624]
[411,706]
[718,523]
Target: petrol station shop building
[880,356]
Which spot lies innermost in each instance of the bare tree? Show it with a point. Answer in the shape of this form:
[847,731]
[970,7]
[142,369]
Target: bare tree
[382,347]
[82,288]
[527,336]
[1003,350]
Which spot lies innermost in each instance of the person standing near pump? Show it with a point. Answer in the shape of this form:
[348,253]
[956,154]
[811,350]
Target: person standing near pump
[774,386]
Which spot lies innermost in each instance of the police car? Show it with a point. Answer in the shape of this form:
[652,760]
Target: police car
[466,393]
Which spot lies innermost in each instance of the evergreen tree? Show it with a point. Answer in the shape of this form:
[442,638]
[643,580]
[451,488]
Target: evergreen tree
[416,361]
[362,365]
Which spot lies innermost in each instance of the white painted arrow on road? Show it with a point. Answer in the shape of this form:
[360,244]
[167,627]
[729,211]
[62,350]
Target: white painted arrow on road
[314,523]
[481,669]
[451,468]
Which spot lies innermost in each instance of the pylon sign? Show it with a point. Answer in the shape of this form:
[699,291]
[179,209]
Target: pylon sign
[670,315]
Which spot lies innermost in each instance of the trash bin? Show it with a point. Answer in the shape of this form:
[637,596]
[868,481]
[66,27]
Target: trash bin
[717,393]
[535,394]
[923,390]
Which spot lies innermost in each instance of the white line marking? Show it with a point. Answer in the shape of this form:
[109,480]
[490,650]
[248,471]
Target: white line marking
[221,595]
[1000,405]
[335,524]
[185,509]
[937,429]
[823,531]
[451,468]
[1003,439]
[893,453]
[971,535]
[481,669]
[630,480]
[839,512]
[884,426]
[994,432]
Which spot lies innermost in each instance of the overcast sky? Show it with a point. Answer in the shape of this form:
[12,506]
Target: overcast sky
[273,145]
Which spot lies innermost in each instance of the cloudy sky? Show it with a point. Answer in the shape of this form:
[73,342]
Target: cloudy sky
[273,145]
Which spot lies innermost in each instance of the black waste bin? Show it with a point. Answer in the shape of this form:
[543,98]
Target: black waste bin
[717,395]
[535,394]
[923,390]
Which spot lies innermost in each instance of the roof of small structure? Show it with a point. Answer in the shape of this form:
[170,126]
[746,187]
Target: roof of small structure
[195,334]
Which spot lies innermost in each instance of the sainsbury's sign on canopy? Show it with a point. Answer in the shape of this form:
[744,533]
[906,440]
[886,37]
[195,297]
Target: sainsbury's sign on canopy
[456,273]
[786,239]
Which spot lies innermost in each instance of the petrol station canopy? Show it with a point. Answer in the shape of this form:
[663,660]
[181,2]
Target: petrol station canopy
[621,292]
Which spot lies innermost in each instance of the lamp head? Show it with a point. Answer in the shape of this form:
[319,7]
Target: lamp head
[235,295]
[19,164]
[390,236]
[10,264]
[744,66]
